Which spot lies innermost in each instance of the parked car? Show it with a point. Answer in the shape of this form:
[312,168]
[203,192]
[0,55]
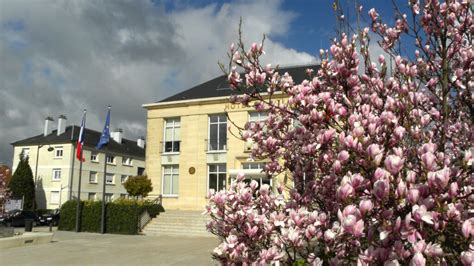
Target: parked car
[18,217]
[52,216]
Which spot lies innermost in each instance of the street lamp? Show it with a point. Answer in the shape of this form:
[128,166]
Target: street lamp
[50,149]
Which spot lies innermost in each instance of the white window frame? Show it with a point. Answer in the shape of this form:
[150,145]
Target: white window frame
[92,194]
[127,161]
[260,166]
[57,200]
[110,196]
[172,167]
[113,179]
[58,152]
[176,123]
[95,177]
[218,172]
[261,116]
[122,180]
[53,177]
[94,157]
[111,161]
[218,131]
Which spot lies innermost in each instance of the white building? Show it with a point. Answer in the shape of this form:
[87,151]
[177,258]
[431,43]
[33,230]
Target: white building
[52,157]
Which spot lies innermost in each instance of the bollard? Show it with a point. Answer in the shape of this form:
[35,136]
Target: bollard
[50,225]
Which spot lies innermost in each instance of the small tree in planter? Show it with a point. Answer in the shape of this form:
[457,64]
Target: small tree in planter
[381,154]
[138,186]
[21,184]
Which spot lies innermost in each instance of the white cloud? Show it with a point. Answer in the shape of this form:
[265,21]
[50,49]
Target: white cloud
[61,57]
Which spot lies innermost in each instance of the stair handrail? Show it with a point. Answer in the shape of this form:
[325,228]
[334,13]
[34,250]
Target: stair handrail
[145,217]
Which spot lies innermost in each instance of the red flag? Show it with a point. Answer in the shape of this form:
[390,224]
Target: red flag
[80,140]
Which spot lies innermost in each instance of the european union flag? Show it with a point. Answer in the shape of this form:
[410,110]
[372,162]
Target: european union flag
[104,138]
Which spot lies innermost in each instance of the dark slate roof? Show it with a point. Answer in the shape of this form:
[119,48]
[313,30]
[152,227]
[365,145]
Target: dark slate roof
[127,147]
[219,87]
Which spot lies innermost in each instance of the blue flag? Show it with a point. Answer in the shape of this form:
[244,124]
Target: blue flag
[104,138]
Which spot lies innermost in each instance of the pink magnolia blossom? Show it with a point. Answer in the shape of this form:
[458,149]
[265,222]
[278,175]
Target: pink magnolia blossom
[394,164]
[326,144]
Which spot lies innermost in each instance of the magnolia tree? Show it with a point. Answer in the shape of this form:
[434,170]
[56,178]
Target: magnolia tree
[380,151]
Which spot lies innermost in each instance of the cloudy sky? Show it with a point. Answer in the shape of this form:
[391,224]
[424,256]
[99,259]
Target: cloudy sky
[60,57]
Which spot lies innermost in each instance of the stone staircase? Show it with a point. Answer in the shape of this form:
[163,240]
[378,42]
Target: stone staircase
[178,222]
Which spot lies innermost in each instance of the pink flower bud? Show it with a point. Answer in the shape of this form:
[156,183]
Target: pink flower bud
[365,206]
[381,174]
[345,191]
[434,250]
[413,195]
[343,156]
[393,164]
[336,166]
[467,258]
[418,260]
[381,59]
[453,189]
[381,189]
[468,228]
[399,132]
[429,161]
[373,150]
[373,14]
[401,189]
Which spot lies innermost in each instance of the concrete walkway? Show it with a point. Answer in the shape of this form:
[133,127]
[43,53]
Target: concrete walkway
[70,248]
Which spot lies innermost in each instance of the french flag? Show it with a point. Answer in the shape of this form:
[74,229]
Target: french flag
[80,140]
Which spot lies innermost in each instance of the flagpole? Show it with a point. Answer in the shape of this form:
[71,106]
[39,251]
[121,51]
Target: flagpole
[107,131]
[102,224]
[78,205]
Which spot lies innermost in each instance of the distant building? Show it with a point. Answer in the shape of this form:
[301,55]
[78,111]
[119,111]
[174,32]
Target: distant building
[189,149]
[52,157]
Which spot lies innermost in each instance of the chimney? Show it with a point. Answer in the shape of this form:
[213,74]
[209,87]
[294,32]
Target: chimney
[141,142]
[46,125]
[117,135]
[61,124]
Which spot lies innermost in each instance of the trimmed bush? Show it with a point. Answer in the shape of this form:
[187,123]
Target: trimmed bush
[91,216]
[68,216]
[122,215]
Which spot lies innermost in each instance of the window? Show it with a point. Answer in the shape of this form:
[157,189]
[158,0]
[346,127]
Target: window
[58,152]
[172,129]
[217,176]
[93,177]
[109,179]
[123,179]
[258,166]
[217,132]
[54,199]
[91,196]
[257,117]
[25,152]
[109,197]
[123,196]
[94,157]
[56,174]
[110,159]
[140,171]
[127,161]
[170,180]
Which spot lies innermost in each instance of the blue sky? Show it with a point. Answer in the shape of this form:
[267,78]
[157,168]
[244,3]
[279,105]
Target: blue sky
[314,24]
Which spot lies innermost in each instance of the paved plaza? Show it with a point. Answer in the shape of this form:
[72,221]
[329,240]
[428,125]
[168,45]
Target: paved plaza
[69,248]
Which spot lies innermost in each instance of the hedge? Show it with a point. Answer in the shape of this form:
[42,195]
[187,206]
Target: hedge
[122,215]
